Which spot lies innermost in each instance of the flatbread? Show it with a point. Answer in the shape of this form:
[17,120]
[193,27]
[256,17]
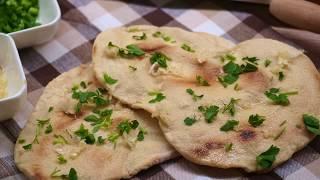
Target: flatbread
[107,161]
[204,143]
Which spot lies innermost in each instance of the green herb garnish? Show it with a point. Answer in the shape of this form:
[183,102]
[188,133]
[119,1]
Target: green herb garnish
[280,76]
[72,174]
[201,81]
[312,124]
[61,159]
[83,84]
[101,140]
[140,136]
[131,51]
[279,134]
[109,80]
[228,147]
[126,126]
[158,97]
[256,120]
[229,125]
[83,133]
[159,34]
[209,112]
[194,96]
[267,62]
[59,139]
[100,119]
[159,58]
[48,129]
[228,57]
[187,48]
[113,137]
[21,141]
[142,37]
[50,109]
[279,98]
[189,121]
[230,107]
[27,147]
[132,68]
[266,159]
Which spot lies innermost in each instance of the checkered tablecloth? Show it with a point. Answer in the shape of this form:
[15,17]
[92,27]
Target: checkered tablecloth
[82,20]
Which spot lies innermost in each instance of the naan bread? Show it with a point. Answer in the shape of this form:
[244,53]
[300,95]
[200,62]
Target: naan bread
[107,161]
[202,142]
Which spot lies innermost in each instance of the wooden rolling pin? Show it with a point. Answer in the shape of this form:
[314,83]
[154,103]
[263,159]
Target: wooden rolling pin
[300,13]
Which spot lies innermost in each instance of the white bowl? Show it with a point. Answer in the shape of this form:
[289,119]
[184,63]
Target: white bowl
[16,80]
[49,16]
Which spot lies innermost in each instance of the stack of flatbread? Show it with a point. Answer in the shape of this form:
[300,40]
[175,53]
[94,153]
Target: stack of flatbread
[152,92]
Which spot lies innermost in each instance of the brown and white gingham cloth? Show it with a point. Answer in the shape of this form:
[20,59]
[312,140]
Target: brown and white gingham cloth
[82,20]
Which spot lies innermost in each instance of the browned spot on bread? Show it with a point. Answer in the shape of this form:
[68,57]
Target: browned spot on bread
[99,157]
[151,45]
[254,80]
[63,120]
[247,135]
[37,173]
[209,72]
[205,148]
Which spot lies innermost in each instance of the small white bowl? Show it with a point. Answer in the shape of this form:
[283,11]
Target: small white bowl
[49,15]
[16,80]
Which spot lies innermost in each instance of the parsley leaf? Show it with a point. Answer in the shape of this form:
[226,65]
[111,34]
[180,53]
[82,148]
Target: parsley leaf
[124,126]
[230,107]
[27,147]
[280,76]
[209,112]
[132,68]
[83,84]
[113,137]
[140,136]
[228,79]
[201,81]
[83,133]
[142,37]
[61,159]
[158,97]
[59,139]
[228,57]
[187,48]
[251,59]
[72,174]
[48,129]
[228,147]
[194,96]
[21,141]
[279,98]
[256,120]
[267,62]
[266,159]
[101,140]
[131,51]
[229,125]
[312,124]
[159,58]
[159,34]
[109,80]
[50,109]
[189,121]
[101,119]
[85,97]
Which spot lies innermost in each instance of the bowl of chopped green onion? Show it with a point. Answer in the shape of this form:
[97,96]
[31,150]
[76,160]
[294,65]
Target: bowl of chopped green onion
[29,22]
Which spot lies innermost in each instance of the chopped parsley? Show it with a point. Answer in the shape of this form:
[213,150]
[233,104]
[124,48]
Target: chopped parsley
[312,124]
[131,51]
[230,107]
[266,159]
[201,81]
[50,109]
[113,137]
[279,134]
[187,48]
[100,119]
[21,141]
[132,68]
[159,58]
[228,57]
[27,147]
[267,62]
[194,96]
[209,112]
[109,80]
[61,159]
[233,70]
[133,30]
[83,133]
[158,97]
[280,76]
[141,133]
[83,84]
[229,125]
[72,174]
[256,120]
[189,121]
[142,37]
[159,34]
[48,129]
[101,140]
[59,139]
[228,147]
[126,126]
[278,97]
[86,97]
